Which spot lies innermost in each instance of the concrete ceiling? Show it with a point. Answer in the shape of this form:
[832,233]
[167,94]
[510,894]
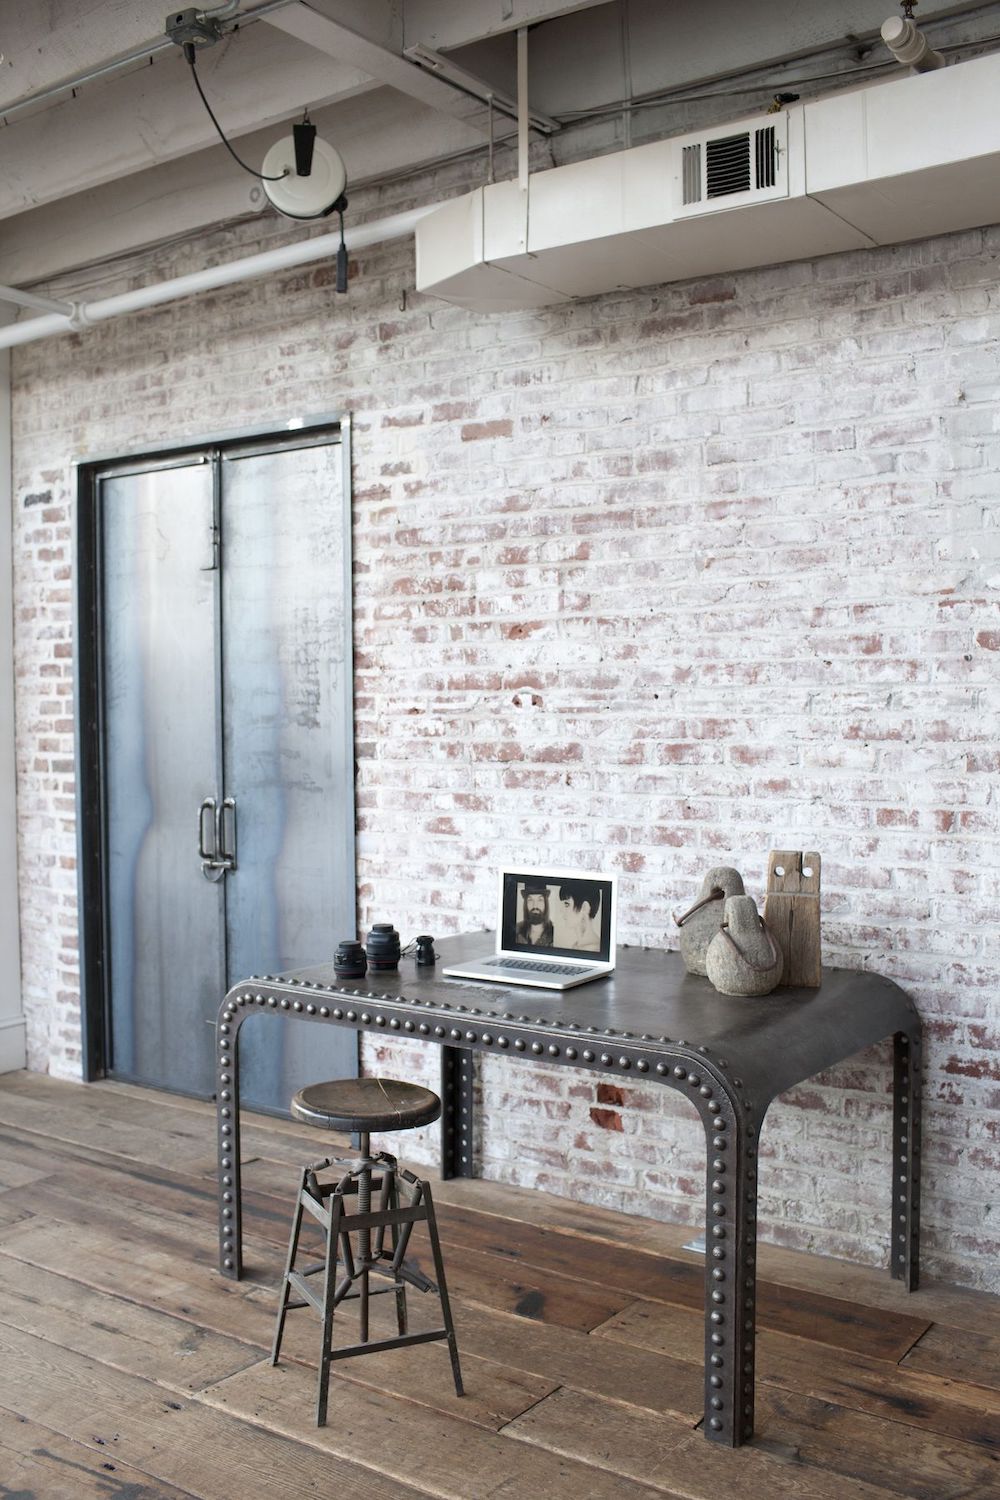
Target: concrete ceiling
[130,158]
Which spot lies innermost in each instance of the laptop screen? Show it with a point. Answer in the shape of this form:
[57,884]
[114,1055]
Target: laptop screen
[562,913]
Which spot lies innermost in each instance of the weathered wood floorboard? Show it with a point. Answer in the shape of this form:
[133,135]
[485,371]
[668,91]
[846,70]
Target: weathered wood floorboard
[659,1278]
[900,1392]
[39,1464]
[181,1441]
[806,1449]
[129,1366]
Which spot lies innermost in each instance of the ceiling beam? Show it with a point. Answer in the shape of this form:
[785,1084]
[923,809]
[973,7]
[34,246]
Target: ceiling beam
[442,24]
[320,30]
[43,44]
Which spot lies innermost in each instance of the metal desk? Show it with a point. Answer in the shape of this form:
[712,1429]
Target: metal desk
[650,1020]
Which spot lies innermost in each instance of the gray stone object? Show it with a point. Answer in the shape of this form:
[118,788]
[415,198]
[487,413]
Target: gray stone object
[702,920]
[743,958]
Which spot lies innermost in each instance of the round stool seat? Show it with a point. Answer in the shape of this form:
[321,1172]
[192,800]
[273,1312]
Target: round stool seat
[361,1105]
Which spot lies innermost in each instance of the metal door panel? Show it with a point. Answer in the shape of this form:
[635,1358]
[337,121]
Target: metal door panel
[161,747]
[288,748]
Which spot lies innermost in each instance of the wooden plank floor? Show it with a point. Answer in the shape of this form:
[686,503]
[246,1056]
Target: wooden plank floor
[129,1368]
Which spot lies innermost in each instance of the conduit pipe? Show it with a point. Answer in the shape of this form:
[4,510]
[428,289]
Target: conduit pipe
[301,253]
[39,304]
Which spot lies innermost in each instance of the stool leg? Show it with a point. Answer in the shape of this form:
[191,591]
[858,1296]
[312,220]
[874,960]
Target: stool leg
[456,1369]
[364,1235]
[329,1288]
[293,1245]
[402,1318]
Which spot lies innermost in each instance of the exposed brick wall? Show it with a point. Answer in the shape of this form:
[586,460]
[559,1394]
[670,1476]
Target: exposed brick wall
[655,581]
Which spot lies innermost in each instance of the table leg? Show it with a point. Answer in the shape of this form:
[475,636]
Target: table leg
[730,1273]
[227,1115]
[905,1229]
[457,1111]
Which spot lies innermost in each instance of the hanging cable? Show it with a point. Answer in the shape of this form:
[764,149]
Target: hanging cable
[340,205]
[189,53]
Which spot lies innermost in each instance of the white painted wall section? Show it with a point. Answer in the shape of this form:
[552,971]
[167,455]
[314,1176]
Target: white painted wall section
[12,1033]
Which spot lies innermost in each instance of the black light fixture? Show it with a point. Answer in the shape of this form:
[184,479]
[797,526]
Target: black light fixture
[304,137]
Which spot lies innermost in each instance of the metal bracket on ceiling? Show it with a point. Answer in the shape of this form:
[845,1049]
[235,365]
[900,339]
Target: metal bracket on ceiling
[442,67]
[192,25]
[203,27]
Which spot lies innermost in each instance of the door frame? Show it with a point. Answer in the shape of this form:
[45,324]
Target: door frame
[93,931]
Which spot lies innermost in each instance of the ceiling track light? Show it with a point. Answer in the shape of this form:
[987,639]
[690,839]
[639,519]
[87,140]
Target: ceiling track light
[908,44]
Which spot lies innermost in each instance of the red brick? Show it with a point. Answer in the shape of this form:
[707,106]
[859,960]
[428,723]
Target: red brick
[474,432]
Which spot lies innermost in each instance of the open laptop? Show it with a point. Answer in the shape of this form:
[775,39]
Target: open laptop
[555,929]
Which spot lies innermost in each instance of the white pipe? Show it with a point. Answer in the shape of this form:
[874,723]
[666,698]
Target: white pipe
[29,299]
[34,328]
[397,226]
[909,46]
[522,108]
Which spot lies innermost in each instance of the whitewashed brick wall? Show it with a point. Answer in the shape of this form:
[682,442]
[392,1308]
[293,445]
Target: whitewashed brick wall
[655,581]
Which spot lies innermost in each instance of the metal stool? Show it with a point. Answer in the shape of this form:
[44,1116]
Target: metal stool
[361,1105]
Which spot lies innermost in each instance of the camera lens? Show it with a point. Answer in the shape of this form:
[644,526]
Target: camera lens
[425,950]
[349,961]
[383,947]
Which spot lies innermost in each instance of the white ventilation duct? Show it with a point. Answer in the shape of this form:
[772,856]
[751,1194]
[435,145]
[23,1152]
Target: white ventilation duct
[900,160]
[896,161]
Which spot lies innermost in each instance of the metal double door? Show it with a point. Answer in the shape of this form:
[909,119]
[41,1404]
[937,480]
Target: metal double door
[227,741]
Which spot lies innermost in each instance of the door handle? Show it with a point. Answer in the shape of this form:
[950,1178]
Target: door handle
[211,831]
[207,825]
[227,832]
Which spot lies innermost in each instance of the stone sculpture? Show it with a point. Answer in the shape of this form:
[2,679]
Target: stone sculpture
[701,922]
[743,958]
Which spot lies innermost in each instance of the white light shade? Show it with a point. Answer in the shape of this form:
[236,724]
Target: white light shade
[304,197]
[909,46]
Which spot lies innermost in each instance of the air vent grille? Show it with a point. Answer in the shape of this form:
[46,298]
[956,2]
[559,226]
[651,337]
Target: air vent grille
[767,157]
[691,168]
[745,163]
[727,165]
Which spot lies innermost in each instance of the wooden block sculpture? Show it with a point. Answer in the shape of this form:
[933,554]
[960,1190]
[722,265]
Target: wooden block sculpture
[791,911]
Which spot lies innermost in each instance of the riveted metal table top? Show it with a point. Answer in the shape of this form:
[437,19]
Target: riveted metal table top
[772,1042]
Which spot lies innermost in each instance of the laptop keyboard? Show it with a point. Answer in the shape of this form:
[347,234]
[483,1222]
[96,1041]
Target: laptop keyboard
[533,966]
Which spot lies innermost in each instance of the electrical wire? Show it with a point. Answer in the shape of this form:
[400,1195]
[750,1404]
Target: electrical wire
[189,54]
[678,96]
[654,101]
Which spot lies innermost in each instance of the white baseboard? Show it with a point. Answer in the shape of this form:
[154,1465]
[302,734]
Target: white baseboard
[13,1051]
